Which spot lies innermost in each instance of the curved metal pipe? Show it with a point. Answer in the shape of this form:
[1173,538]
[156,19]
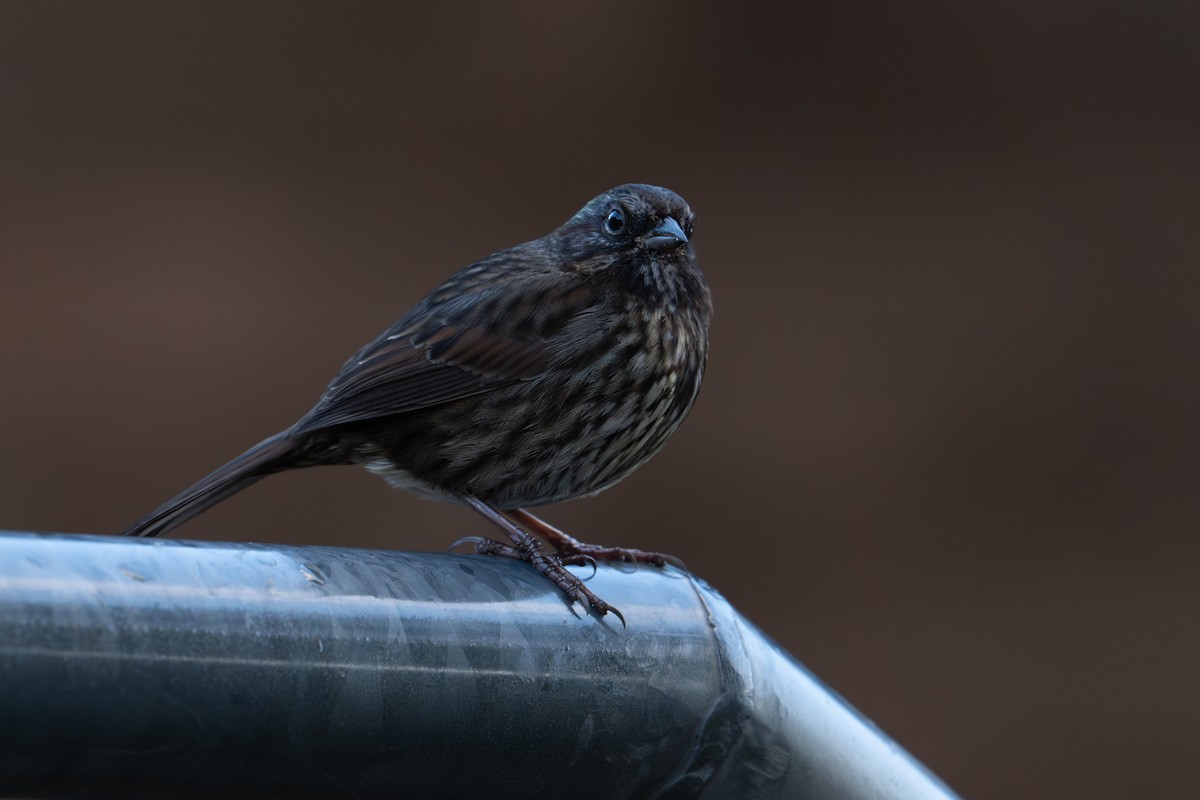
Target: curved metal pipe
[179,667]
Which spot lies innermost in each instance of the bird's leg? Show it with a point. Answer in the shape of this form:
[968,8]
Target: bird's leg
[572,551]
[529,549]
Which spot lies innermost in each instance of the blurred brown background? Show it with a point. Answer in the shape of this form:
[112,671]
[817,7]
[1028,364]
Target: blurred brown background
[946,452]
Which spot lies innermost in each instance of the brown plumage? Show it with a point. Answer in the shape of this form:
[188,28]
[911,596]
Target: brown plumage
[540,373]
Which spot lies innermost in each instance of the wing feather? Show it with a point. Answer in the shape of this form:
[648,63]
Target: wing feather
[441,351]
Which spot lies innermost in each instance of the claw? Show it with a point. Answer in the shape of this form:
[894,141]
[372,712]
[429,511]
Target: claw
[589,560]
[605,608]
[674,561]
[578,560]
[478,541]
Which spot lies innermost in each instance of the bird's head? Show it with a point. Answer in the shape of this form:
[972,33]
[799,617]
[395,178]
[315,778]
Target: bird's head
[636,234]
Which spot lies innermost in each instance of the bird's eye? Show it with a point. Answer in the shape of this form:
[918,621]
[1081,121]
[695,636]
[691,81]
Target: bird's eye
[614,223]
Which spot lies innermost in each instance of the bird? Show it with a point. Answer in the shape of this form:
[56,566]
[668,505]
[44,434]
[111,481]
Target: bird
[541,373]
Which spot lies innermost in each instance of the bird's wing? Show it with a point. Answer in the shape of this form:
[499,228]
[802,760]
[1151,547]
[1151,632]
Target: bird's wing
[458,342]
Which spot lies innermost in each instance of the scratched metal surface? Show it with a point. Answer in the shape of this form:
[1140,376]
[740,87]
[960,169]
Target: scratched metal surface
[153,667]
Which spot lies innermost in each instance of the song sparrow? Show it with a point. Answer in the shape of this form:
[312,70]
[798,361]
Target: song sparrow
[540,373]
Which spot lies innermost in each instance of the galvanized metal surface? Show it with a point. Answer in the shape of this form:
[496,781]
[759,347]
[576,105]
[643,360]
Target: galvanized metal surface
[175,667]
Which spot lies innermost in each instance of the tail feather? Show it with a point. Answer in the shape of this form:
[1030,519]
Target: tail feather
[272,455]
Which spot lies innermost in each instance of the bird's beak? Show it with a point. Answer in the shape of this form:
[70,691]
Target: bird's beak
[666,237]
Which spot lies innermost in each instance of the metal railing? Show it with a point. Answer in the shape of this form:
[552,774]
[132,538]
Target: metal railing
[168,667]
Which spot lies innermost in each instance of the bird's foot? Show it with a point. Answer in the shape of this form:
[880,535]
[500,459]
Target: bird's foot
[530,550]
[574,552]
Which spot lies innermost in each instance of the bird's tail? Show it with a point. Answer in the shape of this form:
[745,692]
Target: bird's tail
[272,455]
